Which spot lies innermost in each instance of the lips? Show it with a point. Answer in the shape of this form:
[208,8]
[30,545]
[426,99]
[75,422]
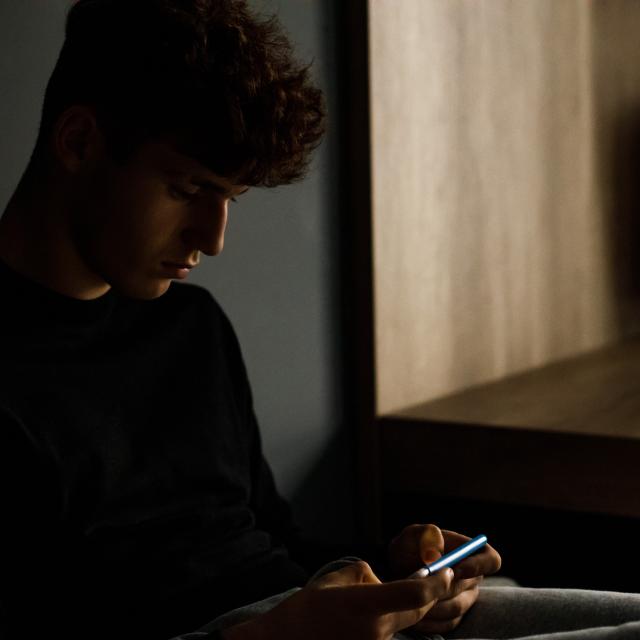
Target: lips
[181,265]
[177,269]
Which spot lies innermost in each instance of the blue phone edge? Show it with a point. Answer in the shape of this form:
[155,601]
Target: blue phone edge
[453,557]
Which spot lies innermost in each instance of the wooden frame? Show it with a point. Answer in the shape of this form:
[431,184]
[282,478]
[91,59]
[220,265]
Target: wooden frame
[578,470]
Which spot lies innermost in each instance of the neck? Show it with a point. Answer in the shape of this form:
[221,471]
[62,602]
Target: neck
[35,241]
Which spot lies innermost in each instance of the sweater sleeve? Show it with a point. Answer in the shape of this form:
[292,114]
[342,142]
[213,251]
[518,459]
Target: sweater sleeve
[272,511]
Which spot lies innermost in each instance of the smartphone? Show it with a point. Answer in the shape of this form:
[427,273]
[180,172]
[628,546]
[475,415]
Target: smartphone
[451,558]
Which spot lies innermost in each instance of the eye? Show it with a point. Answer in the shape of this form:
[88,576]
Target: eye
[181,194]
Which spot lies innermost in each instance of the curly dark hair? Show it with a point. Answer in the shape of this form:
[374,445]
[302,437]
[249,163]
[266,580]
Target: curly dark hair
[215,78]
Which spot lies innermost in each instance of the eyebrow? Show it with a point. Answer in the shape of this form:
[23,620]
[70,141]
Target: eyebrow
[207,184]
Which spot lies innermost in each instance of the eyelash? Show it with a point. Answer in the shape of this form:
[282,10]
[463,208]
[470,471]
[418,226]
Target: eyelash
[186,195]
[183,195]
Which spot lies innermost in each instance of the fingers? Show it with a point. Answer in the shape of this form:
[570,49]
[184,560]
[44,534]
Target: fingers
[410,595]
[352,602]
[362,590]
[355,573]
[483,562]
[453,539]
[415,536]
[456,606]
[458,586]
[446,615]
[430,543]
[409,601]
[424,543]
[437,626]
[415,545]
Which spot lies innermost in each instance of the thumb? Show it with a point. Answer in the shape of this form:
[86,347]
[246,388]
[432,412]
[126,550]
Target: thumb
[429,555]
[355,573]
[431,544]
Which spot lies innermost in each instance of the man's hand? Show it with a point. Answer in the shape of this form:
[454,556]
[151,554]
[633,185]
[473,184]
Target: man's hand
[346,604]
[419,544]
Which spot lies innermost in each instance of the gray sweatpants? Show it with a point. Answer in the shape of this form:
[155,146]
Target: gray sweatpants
[505,612]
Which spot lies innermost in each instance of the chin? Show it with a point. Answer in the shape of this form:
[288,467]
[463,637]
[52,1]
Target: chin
[148,290]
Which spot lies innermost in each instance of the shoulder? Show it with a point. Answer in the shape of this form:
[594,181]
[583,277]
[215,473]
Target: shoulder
[196,306]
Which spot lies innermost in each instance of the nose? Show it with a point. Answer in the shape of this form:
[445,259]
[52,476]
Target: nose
[207,224]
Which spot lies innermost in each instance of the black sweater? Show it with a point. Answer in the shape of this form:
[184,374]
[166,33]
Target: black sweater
[136,501]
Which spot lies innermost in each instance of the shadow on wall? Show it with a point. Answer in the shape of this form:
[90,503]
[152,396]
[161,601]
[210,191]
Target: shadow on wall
[325,498]
[622,162]
[615,82]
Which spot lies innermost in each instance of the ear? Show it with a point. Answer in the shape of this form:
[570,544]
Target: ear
[77,140]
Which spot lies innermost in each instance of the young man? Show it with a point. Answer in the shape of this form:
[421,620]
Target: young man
[136,499]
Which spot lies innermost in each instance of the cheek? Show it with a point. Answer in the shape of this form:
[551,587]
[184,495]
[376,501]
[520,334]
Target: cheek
[129,217]
[141,221]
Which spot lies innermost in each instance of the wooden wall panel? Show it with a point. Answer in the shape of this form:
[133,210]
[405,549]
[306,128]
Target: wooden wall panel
[503,213]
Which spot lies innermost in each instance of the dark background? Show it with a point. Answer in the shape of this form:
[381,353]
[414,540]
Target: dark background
[292,282]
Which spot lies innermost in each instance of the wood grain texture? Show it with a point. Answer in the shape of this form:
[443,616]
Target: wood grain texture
[502,195]
[596,394]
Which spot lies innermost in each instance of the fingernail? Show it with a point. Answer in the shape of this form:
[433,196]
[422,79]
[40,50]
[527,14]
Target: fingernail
[449,573]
